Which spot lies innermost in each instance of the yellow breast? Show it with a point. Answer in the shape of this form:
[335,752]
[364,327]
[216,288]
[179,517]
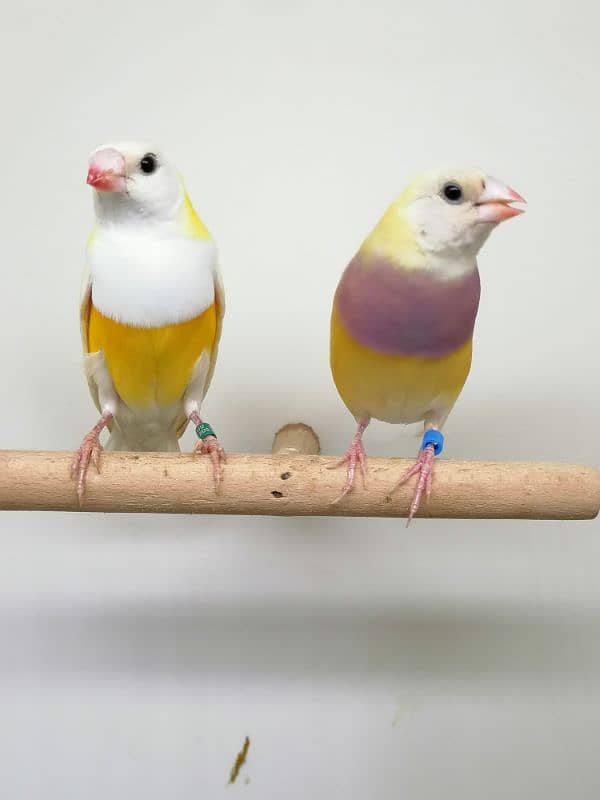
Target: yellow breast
[151,366]
[394,388]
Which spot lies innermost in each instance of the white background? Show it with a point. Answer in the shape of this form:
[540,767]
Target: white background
[458,659]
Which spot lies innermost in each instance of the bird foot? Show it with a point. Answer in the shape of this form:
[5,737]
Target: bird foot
[88,453]
[353,456]
[423,467]
[211,446]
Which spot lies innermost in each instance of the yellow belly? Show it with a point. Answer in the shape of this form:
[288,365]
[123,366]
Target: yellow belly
[395,388]
[151,366]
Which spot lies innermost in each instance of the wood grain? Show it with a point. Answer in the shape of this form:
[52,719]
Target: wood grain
[296,485]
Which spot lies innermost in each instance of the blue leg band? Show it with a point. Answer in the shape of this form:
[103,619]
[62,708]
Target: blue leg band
[436,439]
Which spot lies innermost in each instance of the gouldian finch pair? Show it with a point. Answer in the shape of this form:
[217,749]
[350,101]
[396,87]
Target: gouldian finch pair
[153,304]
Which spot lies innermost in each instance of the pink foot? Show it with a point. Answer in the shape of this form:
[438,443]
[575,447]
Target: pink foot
[208,443]
[212,446]
[423,467]
[88,452]
[353,456]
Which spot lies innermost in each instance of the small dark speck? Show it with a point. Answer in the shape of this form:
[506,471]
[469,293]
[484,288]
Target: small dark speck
[387,499]
[136,458]
[285,476]
[165,473]
[277,494]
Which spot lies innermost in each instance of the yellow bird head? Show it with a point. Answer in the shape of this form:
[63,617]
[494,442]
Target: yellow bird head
[443,218]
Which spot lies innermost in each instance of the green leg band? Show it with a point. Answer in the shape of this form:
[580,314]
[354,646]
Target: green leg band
[203,430]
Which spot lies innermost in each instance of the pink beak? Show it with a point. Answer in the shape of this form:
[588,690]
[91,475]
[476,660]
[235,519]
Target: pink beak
[106,171]
[493,204]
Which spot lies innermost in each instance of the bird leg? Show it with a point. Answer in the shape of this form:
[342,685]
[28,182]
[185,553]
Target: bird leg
[431,446]
[353,456]
[89,451]
[209,444]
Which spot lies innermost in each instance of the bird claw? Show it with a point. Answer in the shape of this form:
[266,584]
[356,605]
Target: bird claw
[88,452]
[218,457]
[423,467]
[355,455]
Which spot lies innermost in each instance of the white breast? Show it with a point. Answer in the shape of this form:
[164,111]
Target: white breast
[150,279]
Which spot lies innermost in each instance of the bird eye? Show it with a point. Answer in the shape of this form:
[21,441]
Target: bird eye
[453,192]
[149,163]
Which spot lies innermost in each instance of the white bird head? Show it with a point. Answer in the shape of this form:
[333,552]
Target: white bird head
[453,211]
[134,181]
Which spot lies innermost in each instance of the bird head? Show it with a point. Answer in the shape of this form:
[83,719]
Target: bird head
[451,212]
[134,180]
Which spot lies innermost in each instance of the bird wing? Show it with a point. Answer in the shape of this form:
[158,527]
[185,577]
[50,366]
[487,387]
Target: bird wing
[220,308]
[84,321]
[203,372]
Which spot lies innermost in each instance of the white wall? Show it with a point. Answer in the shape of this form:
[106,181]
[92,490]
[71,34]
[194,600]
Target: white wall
[455,659]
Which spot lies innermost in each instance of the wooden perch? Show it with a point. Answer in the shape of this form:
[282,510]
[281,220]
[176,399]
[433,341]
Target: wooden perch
[295,481]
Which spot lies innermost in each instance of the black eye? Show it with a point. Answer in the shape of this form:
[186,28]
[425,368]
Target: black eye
[148,163]
[453,192]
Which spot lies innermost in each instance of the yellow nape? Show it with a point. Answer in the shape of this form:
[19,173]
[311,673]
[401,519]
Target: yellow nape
[92,237]
[192,223]
[394,388]
[151,366]
[394,237]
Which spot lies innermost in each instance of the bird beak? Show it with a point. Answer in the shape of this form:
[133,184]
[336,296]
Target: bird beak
[106,171]
[494,202]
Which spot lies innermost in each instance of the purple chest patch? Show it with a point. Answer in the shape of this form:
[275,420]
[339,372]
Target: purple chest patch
[406,312]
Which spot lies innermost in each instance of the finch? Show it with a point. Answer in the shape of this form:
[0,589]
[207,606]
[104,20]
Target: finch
[151,309]
[404,312]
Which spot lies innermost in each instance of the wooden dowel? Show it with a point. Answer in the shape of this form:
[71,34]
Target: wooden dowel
[296,485]
[296,438]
